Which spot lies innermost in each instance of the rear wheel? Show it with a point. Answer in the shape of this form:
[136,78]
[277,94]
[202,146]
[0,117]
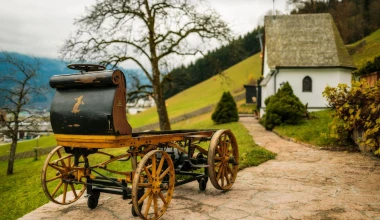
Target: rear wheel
[223,159]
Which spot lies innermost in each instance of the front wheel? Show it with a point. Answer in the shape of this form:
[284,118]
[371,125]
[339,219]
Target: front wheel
[60,176]
[223,159]
[155,174]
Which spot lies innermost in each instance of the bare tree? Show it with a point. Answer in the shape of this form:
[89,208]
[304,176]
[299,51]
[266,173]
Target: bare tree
[147,32]
[17,86]
[140,91]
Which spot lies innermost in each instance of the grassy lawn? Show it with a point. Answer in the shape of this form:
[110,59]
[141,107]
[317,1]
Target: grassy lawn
[205,93]
[21,193]
[314,131]
[244,108]
[28,145]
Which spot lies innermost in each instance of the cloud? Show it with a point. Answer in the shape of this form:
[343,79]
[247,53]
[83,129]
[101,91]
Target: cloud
[39,27]
[244,15]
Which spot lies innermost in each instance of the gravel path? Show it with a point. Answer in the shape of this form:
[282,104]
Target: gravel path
[301,183]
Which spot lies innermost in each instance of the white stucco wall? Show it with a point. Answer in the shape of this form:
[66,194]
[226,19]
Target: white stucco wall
[321,77]
[266,68]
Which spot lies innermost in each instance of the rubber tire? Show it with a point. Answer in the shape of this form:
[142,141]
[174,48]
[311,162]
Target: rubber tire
[93,200]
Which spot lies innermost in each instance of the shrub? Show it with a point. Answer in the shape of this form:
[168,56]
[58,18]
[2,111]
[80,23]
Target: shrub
[356,108]
[283,108]
[370,67]
[226,110]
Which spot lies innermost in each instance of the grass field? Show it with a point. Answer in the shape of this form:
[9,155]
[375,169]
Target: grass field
[205,93]
[245,108]
[28,145]
[314,131]
[367,52]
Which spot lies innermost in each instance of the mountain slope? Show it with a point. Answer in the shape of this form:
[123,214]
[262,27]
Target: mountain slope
[205,93]
[366,49]
[50,67]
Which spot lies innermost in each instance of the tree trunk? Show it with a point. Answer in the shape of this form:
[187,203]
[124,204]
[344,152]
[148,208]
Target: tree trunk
[12,154]
[162,113]
[160,101]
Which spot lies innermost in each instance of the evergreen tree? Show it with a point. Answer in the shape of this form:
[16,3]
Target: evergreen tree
[226,110]
[283,108]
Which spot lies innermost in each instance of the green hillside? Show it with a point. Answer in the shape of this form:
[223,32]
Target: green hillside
[205,93]
[364,52]
[29,145]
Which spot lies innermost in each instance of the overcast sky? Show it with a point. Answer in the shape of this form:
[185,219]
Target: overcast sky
[39,27]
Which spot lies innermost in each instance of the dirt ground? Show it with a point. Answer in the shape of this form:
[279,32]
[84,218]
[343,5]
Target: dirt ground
[301,183]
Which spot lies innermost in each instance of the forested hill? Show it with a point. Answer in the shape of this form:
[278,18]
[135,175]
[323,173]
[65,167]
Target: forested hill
[355,19]
[48,67]
[212,63]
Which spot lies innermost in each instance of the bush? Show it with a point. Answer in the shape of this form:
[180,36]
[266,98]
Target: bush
[357,108]
[226,110]
[370,67]
[283,108]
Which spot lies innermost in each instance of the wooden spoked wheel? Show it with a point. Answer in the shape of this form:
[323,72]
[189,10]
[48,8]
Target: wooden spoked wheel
[155,177]
[223,159]
[57,175]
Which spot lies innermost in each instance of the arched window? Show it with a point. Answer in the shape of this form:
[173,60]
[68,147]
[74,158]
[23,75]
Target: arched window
[307,84]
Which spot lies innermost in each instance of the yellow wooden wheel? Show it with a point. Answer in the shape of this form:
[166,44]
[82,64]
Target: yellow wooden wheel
[153,185]
[57,175]
[223,159]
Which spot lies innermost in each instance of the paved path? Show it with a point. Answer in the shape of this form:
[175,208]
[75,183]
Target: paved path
[301,183]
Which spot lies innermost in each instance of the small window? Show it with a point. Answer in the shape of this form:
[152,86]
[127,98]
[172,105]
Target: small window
[306,84]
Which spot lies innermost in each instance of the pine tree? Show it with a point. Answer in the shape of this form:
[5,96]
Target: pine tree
[283,108]
[226,110]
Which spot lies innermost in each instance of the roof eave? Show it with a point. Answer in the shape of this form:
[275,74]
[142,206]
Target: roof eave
[315,67]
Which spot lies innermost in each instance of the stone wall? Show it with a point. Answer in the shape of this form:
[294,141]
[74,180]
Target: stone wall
[357,136]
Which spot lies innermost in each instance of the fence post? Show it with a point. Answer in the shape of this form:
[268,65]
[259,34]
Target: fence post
[36,150]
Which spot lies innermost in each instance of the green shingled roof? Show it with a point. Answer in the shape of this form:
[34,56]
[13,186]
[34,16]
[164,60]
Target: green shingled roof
[305,40]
